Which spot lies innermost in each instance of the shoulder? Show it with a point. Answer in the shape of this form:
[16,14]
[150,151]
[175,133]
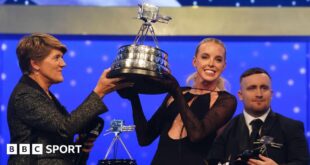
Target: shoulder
[24,92]
[227,97]
[234,122]
[227,94]
[286,120]
[22,97]
[288,123]
[22,89]
[185,89]
[233,125]
[235,119]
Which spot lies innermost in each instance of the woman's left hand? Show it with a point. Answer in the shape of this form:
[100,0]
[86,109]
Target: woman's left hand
[168,83]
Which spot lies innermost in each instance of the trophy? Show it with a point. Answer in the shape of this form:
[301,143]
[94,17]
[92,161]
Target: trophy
[117,127]
[253,153]
[142,64]
[247,154]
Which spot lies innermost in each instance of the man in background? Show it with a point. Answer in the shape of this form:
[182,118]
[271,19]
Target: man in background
[242,140]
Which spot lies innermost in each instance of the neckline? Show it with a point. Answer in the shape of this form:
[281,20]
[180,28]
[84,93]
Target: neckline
[187,89]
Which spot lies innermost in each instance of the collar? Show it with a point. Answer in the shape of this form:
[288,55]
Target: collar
[25,79]
[248,118]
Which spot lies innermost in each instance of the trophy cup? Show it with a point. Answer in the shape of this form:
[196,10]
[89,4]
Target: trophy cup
[117,127]
[142,64]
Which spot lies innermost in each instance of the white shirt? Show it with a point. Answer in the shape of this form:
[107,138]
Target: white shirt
[248,119]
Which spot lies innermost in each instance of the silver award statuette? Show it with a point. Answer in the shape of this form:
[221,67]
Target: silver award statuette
[117,127]
[142,64]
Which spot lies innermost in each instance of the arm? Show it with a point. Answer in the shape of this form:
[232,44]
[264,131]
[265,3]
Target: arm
[217,153]
[37,111]
[222,110]
[297,147]
[147,131]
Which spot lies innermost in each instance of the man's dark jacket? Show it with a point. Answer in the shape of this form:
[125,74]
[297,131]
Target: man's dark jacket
[235,139]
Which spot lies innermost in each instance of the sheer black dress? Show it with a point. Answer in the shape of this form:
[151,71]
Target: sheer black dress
[200,122]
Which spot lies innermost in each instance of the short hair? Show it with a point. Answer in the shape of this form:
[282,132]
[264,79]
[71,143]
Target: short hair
[255,70]
[214,40]
[36,46]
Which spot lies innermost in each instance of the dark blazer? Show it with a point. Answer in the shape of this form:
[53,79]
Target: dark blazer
[235,139]
[34,118]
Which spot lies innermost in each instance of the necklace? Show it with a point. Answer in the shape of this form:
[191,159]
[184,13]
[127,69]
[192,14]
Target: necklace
[214,90]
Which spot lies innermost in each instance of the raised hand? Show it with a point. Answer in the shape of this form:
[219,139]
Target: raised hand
[128,93]
[168,83]
[106,85]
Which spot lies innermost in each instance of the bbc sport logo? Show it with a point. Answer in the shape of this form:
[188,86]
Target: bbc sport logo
[37,149]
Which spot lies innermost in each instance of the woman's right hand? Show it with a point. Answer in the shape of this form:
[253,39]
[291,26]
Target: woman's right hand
[107,85]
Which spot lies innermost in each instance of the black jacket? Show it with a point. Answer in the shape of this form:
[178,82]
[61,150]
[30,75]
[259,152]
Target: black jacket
[34,118]
[235,139]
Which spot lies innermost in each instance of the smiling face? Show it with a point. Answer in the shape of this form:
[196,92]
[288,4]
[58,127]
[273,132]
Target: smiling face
[210,62]
[50,68]
[256,93]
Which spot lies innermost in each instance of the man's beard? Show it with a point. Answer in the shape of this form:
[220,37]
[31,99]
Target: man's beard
[257,112]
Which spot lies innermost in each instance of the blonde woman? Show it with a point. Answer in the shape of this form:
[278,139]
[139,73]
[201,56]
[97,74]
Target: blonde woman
[188,119]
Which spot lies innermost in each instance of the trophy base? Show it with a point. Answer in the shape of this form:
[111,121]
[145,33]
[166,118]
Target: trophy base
[117,162]
[145,81]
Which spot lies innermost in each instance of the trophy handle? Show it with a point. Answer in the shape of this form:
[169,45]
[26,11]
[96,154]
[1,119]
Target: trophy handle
[142,34]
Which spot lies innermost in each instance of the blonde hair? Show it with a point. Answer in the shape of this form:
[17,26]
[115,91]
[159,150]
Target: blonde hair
[214,40]
[222,83]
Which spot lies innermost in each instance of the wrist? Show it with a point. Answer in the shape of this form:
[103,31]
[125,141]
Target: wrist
[175,92]
[134,98]
[99,92]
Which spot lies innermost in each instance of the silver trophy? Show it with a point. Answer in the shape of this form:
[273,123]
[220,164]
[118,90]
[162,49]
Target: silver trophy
[143,64]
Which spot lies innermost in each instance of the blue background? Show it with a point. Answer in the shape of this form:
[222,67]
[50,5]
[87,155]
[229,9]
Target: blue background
[286,58]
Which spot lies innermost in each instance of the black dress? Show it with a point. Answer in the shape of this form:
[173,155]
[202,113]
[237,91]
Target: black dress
[199,120]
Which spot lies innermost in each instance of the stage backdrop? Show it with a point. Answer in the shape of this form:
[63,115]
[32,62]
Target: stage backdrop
[287,60]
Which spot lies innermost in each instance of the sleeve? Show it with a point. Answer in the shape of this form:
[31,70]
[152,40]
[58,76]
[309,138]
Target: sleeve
[147,131]
[297,147]
[217,151]
[221,150]
[37,111]
[220,113]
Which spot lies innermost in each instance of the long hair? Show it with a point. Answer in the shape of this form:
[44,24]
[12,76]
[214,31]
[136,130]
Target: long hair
[222,83]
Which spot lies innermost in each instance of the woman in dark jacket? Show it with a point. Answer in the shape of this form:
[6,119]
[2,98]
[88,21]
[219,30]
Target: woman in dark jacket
[35,116]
